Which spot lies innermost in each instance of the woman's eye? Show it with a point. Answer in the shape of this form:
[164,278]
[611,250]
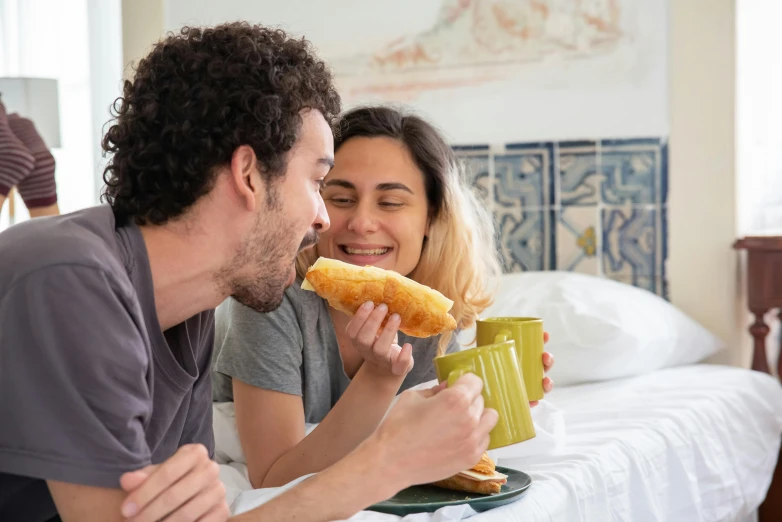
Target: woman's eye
[340,200]
[390,204]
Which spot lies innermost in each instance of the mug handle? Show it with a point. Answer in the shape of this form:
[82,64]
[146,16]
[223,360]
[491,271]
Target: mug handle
[455,374]
[502,336]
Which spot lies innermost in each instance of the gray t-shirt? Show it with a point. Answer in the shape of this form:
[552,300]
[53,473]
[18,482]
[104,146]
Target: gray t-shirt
[294,350]
[90,386]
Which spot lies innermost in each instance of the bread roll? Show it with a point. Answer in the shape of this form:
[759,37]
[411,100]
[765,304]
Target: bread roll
[423,311]
[481,478]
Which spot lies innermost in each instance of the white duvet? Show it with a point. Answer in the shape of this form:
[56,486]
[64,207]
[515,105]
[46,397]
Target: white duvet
[682,444]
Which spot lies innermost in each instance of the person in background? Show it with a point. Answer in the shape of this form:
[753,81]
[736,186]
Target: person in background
[218,154]
[27,164]
[396,199]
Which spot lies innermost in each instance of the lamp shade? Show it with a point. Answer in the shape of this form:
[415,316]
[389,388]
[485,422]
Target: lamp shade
[37,99]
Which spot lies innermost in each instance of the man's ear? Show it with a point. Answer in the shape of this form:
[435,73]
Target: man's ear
[245,176]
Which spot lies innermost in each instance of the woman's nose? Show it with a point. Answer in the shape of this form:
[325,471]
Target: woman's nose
[363,221]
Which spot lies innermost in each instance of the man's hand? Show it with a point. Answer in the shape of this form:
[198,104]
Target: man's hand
[433,434]
[184,488]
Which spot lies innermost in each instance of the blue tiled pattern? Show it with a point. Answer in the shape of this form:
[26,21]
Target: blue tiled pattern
[631,172]
[578,176]
[630,242]
[523,241]
[521,176]
[577,241]
[592,206]
[476,170]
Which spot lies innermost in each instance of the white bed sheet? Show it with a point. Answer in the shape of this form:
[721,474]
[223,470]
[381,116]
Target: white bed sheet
[695,443]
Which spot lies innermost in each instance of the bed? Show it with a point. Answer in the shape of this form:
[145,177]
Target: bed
[650,433]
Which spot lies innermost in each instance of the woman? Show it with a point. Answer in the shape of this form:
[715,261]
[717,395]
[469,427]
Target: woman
[395,200]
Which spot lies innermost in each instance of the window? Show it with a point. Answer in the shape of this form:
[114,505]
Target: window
[78,43]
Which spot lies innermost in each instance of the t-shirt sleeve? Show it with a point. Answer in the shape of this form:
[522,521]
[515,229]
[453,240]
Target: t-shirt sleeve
[453,344]
[74,379]
[261,349]
[198,426]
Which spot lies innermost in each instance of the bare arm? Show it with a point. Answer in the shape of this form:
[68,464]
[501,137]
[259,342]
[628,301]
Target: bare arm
[337,493]
[427,436]
[271,427]
[77,503]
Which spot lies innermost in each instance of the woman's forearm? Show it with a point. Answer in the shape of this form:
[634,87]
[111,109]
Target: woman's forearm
[355,416]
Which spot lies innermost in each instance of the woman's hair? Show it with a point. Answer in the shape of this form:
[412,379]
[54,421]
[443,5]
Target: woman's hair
[194,100]
[459,257]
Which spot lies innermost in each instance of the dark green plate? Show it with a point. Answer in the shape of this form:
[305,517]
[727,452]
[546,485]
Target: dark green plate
[428,499]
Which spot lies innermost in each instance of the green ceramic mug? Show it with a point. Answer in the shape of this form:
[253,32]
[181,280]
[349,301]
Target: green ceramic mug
[528,334]
[497,365]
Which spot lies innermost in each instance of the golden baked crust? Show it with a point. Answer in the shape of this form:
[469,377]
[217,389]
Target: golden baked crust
[486,466]
[423,311]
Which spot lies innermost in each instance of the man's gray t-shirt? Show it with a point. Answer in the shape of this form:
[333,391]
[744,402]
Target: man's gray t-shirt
[294,350]
[90,386]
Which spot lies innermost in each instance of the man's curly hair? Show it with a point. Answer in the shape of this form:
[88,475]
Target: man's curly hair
[197,97]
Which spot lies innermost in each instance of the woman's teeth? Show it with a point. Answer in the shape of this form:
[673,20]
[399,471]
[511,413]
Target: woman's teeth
[365,251]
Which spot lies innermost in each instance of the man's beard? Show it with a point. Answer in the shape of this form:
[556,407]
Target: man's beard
[310,239]
[262,285]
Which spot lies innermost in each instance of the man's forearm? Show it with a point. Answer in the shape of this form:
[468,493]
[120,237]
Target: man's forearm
[352,484]
[76,502]
[355,416]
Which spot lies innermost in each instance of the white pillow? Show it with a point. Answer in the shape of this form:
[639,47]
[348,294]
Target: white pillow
[601,329]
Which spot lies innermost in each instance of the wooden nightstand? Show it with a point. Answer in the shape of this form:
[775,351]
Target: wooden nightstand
[764,288]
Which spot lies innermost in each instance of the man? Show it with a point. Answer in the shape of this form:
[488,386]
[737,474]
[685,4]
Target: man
[106,315]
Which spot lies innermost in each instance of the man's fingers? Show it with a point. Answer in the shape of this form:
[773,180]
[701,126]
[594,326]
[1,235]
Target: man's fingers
[162,478]
[548,384]
[470,384]
[187,500]
[545,337]
[476,408]
[133,479]
[488,420]
[434,390]
[220,513]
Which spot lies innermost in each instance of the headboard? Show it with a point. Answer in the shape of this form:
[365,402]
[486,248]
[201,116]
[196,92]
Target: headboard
[596,207]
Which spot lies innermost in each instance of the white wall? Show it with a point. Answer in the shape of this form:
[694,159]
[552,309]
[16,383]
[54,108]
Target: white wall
[142,26]
[619,94]
[702,210]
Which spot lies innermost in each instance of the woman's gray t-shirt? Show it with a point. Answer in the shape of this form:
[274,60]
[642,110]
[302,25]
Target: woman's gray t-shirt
[294,350]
